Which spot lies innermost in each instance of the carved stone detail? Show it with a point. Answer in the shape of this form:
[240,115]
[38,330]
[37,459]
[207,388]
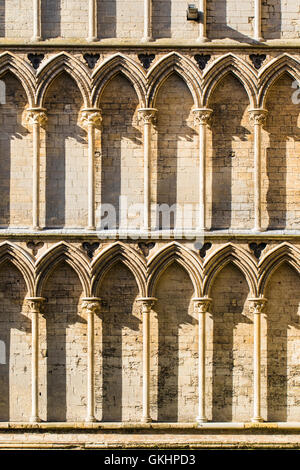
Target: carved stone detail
[202,304]
[257,60]
[35,60]
[202,60]
[91,116]
[147,303]
[36,304]
[34,246]
[147,115]
[91,59]
[37,116]
[202,116]
[205,247]
[91,305]
[257,305]
[90,248]
[146,247]
[257,248]
[146,60]
[258,116]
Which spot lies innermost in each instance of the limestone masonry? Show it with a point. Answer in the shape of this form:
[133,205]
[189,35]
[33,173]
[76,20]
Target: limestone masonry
[124,323]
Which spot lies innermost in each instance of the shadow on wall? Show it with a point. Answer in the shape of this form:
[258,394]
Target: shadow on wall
[64,290]
[11,128]
[174,102]
[51,19]
[13,292]
[2,18]
[177,366]
[282,126]
[272,19]
[282,360]
[219,18]
[119,138]
[63,103]
[229,103]
[121,335]
[161,19]
[107,19]
[229,295]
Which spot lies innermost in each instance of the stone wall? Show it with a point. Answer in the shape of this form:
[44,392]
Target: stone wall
[124,20]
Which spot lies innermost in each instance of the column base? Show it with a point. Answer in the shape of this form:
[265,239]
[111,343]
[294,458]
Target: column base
[91,228]
[34,419]
[94,39]
[90,419]
[257,229]
[201,419]
[203,39]
[36,228]
[146,420]
[147,39]
[36,39]
[258,419]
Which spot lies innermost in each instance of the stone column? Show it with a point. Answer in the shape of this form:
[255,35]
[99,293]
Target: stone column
[92,36]
[202,24]
[146,305]
[147,21]
[257,21]
[91,118]
[92,306]
[201,306]
[37,118]
[147,116]
[256,307]
[202,116]
[257,117]
[36,307]
[37,28]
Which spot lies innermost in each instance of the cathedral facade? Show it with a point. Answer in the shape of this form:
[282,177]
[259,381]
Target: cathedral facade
[149,172]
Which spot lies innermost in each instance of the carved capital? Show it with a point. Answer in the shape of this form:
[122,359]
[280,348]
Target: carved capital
[258,116]
[91,305]
[202,116]
[36,304]
[147,115]
[257,305]
[202,304]
[37,116]
[91,116]
[147,303]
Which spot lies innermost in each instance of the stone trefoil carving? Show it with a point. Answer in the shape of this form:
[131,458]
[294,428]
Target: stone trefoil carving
[35,60]
[146,60]
[257,248]
[257,60]
[34,246]
[202,60]
[146,247]
[91,59]
[90,248]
